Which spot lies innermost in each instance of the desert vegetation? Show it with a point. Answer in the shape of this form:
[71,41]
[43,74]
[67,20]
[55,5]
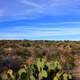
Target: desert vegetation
[39,60]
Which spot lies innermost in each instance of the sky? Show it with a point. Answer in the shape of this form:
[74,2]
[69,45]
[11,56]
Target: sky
[40,19]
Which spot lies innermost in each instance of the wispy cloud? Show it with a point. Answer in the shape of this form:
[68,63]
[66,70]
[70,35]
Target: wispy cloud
[45,18]
[54,7]
[33,32]
[2,13]
[30,3]
[21,9]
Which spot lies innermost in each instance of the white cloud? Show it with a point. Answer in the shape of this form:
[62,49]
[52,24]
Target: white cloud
[54,7]
[55,32]
[33,32]
[2,13]
[33,4]
[31,9]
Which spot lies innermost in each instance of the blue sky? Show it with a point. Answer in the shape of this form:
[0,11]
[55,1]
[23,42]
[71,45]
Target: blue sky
[40,19]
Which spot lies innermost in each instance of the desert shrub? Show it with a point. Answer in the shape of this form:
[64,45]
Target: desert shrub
[69,63]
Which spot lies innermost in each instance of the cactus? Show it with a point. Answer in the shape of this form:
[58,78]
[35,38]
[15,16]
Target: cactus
[22,74]
[53,66]
[40,63]
[39,70]
[22,70]
[10,73]
[67,76]
[4,76]
[42,74]
[62,75]
[7,75]
[32,77]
